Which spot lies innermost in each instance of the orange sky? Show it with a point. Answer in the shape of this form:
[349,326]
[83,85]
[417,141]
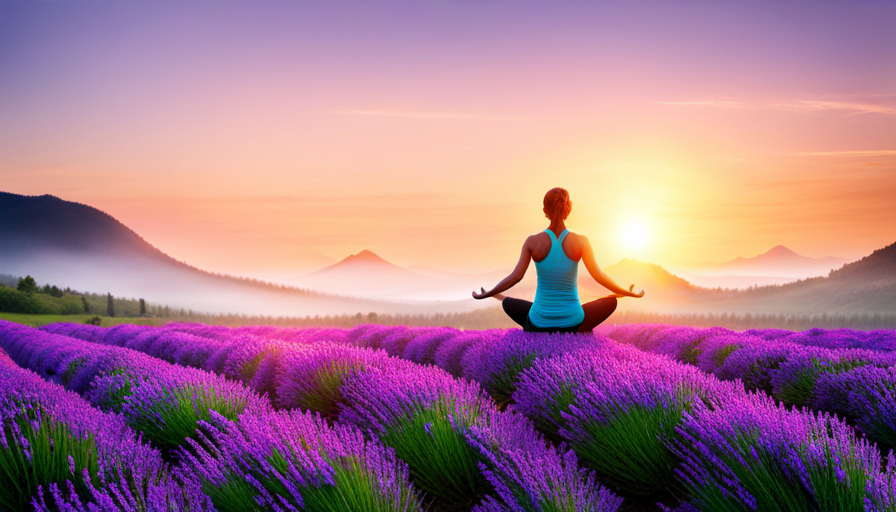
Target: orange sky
[267,139]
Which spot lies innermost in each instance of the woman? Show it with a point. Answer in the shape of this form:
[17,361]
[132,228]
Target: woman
[557,252]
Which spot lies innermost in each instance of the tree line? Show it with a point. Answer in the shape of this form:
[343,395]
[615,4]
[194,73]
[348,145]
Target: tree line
[23,295]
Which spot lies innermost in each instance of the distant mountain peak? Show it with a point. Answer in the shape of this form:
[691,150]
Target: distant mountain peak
[364,256]
[780,250]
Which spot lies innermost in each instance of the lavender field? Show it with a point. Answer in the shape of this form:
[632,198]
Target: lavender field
[191,417]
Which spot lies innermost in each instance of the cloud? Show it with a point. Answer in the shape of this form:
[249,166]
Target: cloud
[884,152]
[415,114]
[706,103]
[853,108]
[850,108]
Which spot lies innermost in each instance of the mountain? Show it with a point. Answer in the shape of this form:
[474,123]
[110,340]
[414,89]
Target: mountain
[74,245]
[778,261]
[71,244]
[878,267]
[363,274]
[662,288]
[368,275]
[864,286]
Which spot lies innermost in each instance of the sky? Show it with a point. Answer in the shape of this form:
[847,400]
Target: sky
[272,138]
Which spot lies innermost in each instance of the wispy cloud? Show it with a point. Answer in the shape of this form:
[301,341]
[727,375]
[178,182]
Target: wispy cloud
[884,152]
[850,108]
[705,103]
[416,114]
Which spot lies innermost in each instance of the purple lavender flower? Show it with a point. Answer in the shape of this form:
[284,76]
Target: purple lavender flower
[422,349]
[716,349]
[529,474]
[84,332]
[496,363]
[120,334]
[93,455]
[683,344]
[311,377]
[295,461]
[637,334]
[618,408]
[159,399]
[451,352]
[424,414]
[755,455]
[393,341]
[372,336]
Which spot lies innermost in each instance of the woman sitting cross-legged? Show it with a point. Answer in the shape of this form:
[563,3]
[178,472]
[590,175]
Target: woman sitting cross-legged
[557,252]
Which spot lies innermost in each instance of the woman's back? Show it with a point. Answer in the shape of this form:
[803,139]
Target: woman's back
[557,295]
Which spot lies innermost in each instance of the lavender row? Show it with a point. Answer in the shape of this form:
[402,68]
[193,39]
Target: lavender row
[648,425]
[882,340]
[701,438]
[460,450]
[856,384]
[247,457]
[161,400]
[59,453]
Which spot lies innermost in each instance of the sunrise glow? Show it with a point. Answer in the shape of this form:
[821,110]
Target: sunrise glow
[635,236]
[275,138]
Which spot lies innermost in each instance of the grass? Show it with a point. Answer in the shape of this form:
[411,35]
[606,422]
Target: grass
[52,454]
[41,320]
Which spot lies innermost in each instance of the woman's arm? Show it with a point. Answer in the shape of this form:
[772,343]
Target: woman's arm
[602,278]
[516,276]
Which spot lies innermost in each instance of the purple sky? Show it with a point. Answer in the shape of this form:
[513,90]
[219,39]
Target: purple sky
[273,136]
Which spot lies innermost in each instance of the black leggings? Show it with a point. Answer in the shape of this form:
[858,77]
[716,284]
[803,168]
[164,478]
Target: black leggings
[596,312]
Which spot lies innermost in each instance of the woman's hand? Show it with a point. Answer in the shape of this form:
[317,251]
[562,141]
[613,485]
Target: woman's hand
[481,295]
[631,293]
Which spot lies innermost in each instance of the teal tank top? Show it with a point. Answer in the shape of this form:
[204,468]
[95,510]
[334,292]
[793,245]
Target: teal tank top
[557,294]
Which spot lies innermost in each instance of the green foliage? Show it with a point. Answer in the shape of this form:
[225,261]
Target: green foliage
[27,285]
[52,291]
[354,490]
[798,391]
[564,396]
[236,495]
[757,375]
[503,384]
[16,301]
[441,461]
[71,369]
[110,305]
[50,444]
[722,354]
[325,396]
[627,453]
[37,320]
[167,415]
[757,467]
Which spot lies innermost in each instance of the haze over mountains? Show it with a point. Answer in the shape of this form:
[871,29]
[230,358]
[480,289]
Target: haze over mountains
[367,275]
[73,245]
[779,265]
[70,244]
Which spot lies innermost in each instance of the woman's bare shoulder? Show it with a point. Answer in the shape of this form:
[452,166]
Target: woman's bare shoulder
[540,236]
[577,238]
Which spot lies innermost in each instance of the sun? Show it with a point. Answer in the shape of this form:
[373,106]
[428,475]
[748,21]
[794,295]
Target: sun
[635,235]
